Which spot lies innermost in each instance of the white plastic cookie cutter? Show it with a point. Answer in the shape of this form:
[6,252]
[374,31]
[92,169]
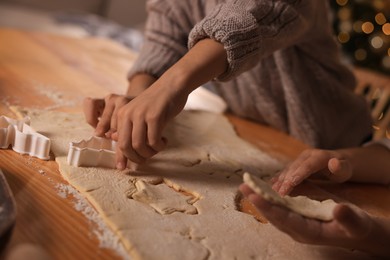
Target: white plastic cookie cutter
[94,152]
[23,138]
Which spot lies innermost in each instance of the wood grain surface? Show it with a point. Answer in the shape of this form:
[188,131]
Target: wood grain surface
[39,70]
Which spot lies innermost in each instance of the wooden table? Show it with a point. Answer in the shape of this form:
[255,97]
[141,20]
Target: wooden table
[40,70]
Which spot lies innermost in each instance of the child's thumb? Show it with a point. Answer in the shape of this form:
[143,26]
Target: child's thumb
[340,170]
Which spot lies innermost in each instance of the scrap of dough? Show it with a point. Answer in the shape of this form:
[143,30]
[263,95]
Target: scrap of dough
[163,199]
[203,157]
[301,204]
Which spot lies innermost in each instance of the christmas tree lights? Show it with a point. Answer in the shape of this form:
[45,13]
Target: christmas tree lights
[363,29]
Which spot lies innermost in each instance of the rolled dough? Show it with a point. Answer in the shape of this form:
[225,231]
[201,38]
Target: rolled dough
[201,168]
[322,210]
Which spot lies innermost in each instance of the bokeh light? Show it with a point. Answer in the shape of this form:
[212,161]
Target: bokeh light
[363,29]
[367,27]
[380,18]
[360,54]
[343,37]
[386,28]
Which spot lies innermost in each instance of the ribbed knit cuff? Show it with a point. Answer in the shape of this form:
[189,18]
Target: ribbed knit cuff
[234,27]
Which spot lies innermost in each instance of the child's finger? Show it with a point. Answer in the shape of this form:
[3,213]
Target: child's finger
[279,184]
[155,141]
[313,162]
[340,170]
[139,140]
[245,190]
[125,129]
[121,160]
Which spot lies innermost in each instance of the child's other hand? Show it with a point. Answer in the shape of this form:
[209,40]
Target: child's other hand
[332,164]
[350,228]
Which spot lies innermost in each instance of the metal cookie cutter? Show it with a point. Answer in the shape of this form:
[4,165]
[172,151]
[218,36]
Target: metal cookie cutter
[94,152]
[23,138]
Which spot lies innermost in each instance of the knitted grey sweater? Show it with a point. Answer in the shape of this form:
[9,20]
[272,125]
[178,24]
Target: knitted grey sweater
[284,65]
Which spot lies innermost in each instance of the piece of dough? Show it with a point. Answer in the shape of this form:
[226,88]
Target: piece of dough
[322,210]
[203,160]
[163,199]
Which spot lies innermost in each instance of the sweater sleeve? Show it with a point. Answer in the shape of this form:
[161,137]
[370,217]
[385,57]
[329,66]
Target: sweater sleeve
[165,40]
[253,29]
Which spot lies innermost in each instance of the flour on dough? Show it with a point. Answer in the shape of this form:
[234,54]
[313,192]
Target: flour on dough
[301,204]
[203,159]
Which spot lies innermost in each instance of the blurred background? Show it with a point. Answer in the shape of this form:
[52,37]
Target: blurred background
[361,26]
[119,20]
[363,29]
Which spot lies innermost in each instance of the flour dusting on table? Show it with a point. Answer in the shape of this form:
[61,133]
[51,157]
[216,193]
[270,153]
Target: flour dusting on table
[107,239]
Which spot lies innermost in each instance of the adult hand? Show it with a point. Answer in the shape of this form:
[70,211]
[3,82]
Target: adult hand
[331,164]
[102,113]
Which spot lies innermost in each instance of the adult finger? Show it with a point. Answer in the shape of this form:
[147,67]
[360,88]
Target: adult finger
[355,222]
[119,102]
[105,121]
[300,228]
[93,109]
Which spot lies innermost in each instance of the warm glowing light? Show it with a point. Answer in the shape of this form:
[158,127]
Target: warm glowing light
[343,37]
[388,52]
[380,116]
[380,18]
[386,28]
[386,62]
[345,26]
[360,54]
[342,2]
[367,27]
[377,42]
[344,14]
[379,4]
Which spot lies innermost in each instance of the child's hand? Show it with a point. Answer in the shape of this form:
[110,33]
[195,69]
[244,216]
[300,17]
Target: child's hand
[332,164]
[102,113]
[141,122]
[350,228]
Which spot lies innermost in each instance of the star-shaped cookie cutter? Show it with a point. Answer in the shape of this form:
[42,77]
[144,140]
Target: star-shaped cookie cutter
[22,138]
[93,152]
